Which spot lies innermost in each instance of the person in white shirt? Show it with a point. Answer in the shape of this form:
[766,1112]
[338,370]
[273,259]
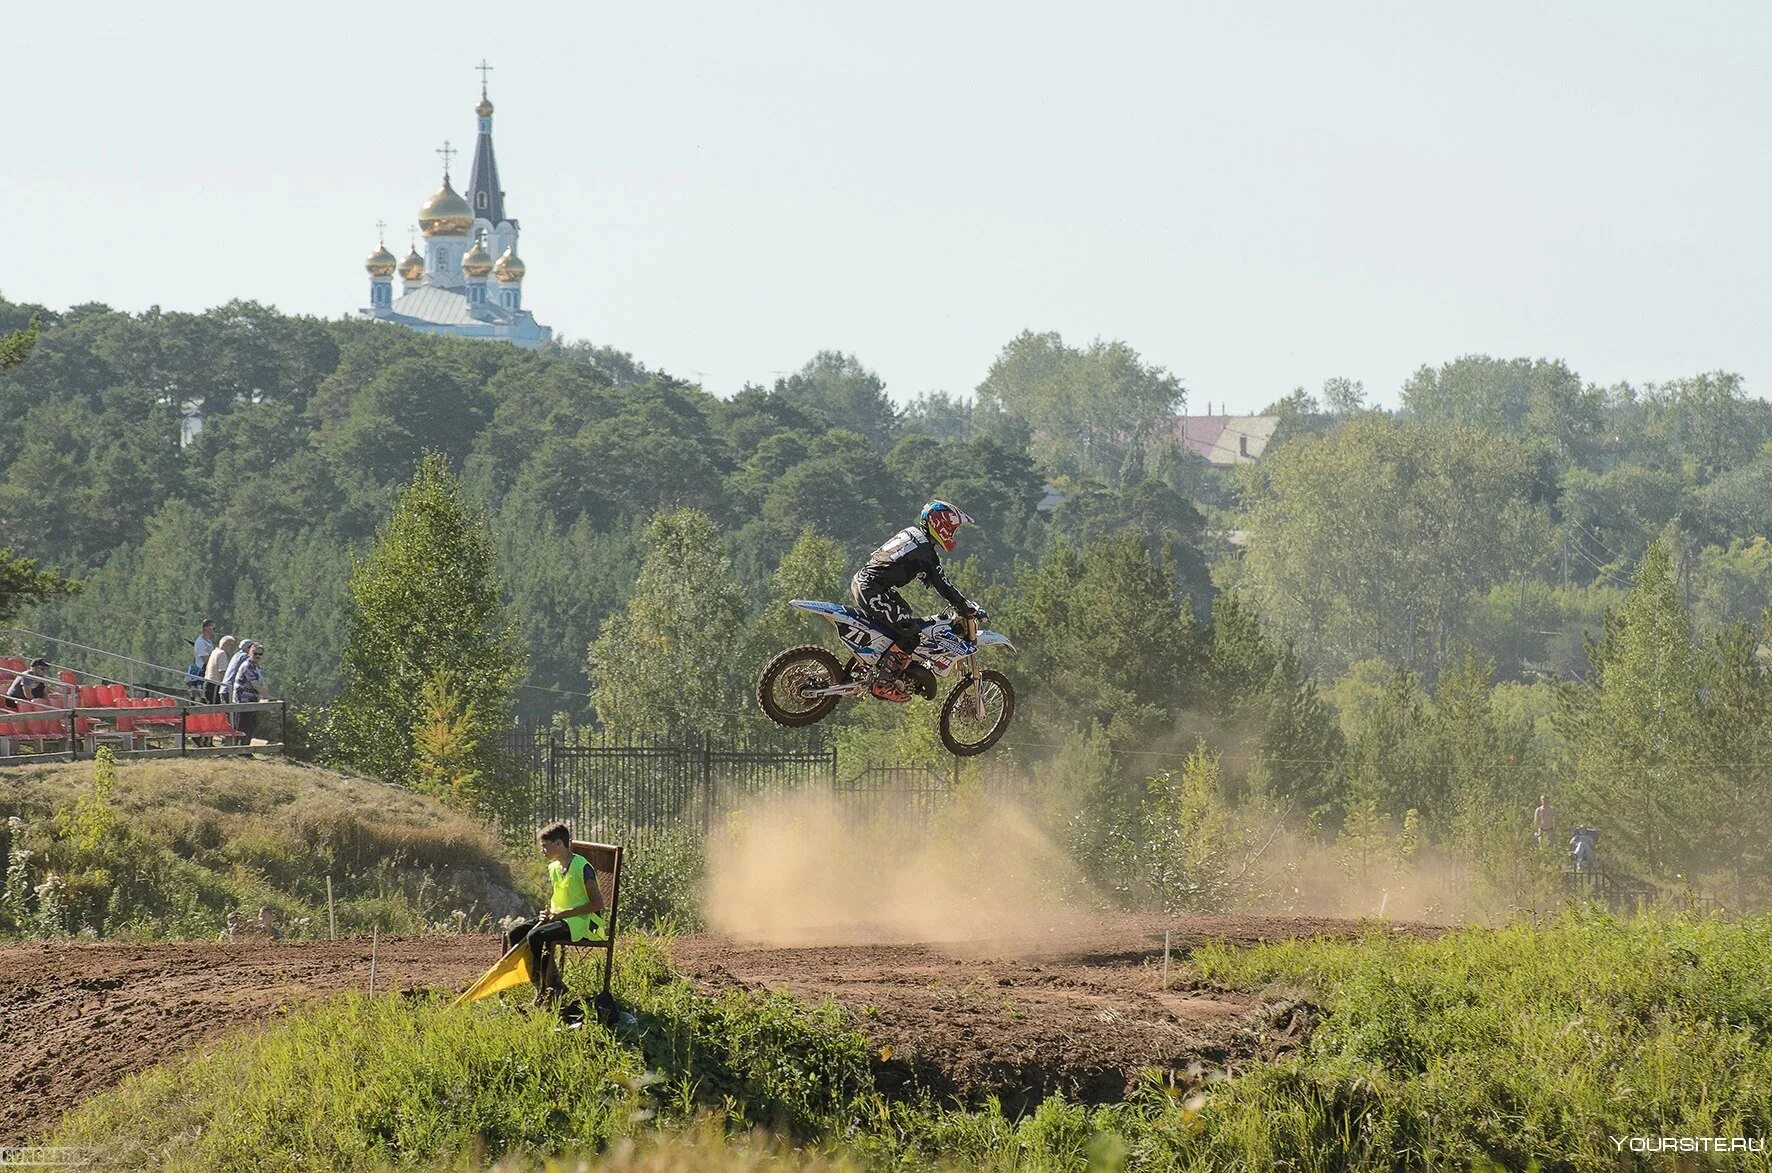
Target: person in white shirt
[215,669]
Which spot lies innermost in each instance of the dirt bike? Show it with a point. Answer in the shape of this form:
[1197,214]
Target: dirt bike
[803,685]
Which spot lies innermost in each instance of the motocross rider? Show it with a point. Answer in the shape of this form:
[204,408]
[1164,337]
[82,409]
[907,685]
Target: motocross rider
[907,555]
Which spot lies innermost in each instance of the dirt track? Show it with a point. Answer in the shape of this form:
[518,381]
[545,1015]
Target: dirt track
[1079,1011]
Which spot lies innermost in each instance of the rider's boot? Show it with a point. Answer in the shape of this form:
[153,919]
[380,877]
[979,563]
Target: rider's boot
[889,679]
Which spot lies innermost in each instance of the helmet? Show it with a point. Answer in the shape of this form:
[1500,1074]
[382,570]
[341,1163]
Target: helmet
[941,520]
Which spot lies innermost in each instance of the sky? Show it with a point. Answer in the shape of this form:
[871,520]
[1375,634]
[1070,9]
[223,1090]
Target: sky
[1255,197]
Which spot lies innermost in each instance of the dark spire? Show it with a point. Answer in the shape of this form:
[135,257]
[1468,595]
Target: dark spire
[484,194]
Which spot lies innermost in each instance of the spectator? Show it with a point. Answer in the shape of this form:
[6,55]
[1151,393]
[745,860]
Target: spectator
[1544,822]
[249,686]
[29,685]
[1581,846]
[233,670]
[231,931]
[200,649]
[215,669]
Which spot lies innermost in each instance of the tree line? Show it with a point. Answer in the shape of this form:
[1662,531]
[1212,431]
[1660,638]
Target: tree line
[1393,619]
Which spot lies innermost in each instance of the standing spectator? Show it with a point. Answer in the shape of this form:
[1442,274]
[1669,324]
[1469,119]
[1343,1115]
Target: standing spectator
[249,684]
[29,685]
[1544,822]
[200,649]
[215,669]
[233,670]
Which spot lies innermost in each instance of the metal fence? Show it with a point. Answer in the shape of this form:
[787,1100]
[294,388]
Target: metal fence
[631,790]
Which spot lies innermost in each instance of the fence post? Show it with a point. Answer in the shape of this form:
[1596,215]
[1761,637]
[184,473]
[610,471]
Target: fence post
[707,786]
[552,769]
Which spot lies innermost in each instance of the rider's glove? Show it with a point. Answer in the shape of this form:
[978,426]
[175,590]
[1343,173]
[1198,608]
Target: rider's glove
[978,613]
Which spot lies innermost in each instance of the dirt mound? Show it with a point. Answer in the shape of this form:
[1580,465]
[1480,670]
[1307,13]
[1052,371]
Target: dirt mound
[80,1017]
[1080,1009]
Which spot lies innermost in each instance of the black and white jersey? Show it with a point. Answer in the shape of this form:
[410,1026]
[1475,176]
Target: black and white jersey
[908,555]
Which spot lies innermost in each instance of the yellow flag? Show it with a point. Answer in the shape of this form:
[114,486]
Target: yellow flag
[512,970]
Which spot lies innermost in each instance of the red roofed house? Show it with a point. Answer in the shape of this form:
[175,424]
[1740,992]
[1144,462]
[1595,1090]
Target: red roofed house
[1226,440]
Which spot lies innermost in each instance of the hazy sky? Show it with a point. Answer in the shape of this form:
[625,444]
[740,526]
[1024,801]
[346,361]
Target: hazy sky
[1253,196]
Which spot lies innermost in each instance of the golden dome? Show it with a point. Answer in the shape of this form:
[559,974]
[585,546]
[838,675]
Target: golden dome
[412,267]
[445,214]
[510,266]
[380,263]
[478,262]
[484,108]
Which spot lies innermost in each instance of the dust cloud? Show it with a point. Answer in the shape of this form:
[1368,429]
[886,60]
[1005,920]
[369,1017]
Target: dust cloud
[804,872]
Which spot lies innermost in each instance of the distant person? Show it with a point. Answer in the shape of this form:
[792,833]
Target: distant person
[231,929]
[30,685]
[215,670]
[233,670]
[249,689]
[574,911]
[1544,822]
[1581,847]
[200,649]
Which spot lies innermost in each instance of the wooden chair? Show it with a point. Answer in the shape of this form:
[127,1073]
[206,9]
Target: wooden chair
[605,860]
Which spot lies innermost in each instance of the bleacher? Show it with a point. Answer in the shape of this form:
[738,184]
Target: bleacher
[83,711]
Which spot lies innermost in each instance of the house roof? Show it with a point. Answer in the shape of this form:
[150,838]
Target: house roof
[1225,440]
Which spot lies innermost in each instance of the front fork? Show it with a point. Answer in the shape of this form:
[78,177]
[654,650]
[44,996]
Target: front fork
[972,668]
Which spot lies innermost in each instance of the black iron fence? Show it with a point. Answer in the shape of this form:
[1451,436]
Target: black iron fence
[633,789]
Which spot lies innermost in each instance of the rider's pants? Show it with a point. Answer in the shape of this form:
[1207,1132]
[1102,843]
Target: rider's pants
[884,606]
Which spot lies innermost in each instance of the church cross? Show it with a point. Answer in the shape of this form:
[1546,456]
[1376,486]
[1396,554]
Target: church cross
[381,230]
[448,152]
[484,70]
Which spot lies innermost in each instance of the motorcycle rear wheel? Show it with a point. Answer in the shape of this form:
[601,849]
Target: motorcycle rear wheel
[961,730]
[806,667]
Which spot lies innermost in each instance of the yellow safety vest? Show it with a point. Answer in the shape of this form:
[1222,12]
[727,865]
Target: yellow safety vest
[570,892]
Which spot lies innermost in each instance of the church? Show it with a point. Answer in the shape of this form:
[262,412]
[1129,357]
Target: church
[469,279]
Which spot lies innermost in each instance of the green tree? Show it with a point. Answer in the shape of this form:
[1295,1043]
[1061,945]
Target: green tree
[844,393]
[1100,412]
[815,567]
[1105,637]
[425,613]
[16,345]
[672,660]
[23,585]
[1299,754]
[1373,541]
[1635,731]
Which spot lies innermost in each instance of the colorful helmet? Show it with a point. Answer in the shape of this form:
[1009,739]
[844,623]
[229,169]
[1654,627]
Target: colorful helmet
[942,520]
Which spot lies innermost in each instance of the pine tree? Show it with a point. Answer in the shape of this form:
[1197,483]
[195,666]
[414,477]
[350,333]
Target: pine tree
[1301,747]
[425,614]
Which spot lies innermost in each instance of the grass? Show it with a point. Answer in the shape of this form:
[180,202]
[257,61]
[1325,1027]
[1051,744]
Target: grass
[175,843]
[1501,1048]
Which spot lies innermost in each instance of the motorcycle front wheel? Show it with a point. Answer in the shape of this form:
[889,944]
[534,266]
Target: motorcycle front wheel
[785,680]
[962,730]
